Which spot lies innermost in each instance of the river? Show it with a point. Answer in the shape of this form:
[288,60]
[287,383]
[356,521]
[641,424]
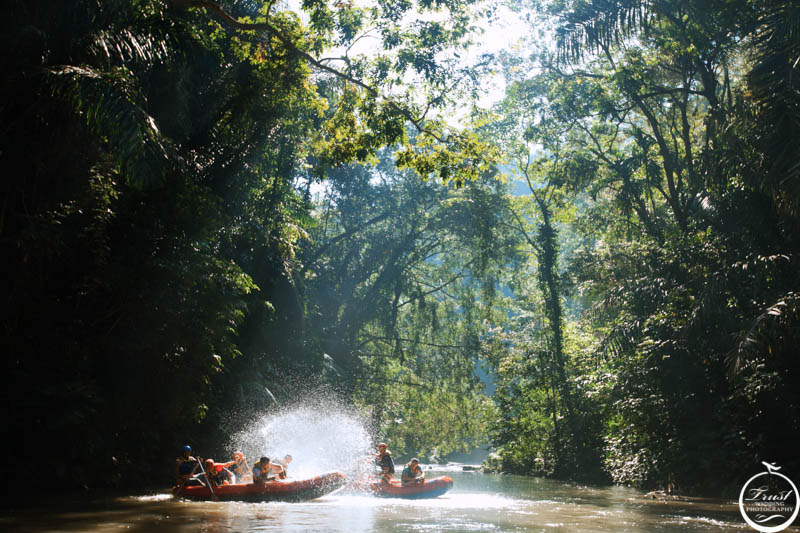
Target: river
[478,503]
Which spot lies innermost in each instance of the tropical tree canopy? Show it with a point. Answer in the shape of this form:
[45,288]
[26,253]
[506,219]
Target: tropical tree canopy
[210,208]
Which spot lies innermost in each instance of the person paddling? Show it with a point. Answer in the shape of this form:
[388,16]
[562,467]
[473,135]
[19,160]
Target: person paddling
[385,462]
[261,471]
[185,465]
[240,468]
[218,473]
[412,473]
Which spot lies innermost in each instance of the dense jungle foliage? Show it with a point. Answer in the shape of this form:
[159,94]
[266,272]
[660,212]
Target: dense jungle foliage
[659,143]
[210,208]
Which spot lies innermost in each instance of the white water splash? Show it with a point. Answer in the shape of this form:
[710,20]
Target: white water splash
[321,437]
[151,497]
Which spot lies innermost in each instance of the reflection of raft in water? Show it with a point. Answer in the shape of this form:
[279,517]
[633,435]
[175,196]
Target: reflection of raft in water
[432,488]
[287,490]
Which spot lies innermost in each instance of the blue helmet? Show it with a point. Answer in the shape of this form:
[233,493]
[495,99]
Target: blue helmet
[187,448]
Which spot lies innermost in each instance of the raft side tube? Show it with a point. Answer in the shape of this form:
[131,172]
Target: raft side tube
[291,490]
[432,488]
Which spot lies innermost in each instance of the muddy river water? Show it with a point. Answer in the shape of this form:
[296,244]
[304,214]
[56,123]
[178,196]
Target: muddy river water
[477,503]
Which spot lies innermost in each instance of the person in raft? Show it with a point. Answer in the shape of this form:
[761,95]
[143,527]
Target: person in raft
[285,464]
[385,462]
[261,471]
[240,468]
[276,470]
[185,466]
[218,473]
[412,473]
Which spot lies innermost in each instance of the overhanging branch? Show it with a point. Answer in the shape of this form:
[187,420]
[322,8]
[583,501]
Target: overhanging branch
[318,64]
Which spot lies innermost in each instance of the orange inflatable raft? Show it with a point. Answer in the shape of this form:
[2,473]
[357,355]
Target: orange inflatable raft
[432,488]
[287,490]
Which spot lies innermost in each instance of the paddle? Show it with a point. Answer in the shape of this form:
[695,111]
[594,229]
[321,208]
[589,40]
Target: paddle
[180,490]
[208,479]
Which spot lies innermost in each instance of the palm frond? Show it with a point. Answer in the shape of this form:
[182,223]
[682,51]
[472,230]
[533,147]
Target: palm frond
[774,84]
[622,339]
[128,46]
[590,24]
[775,329]
[108,105]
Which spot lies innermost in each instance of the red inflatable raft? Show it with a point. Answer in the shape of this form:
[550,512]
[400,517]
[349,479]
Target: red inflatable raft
[432,488]
[287,490]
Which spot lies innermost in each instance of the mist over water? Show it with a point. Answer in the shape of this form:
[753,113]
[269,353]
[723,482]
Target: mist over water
[321,434]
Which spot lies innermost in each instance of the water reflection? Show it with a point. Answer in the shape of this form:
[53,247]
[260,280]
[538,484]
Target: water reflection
[477,503]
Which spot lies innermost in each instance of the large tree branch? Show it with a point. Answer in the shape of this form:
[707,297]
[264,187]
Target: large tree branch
[667,156]
[369,338]
[341,236]
[441,287]
[318,64]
